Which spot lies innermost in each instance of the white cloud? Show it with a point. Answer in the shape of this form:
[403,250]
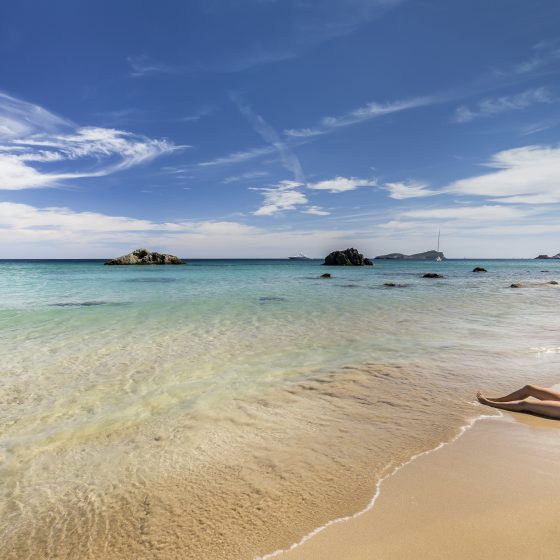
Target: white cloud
[369,111]
[524,173]
[546,53]
[245,176]
[30,232]
[341,184]
[410,189]
[471,213]
[316,211]
[490,107]
[283,196]
[30,135]
[303,132]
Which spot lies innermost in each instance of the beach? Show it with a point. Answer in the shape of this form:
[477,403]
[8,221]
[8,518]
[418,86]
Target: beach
[492,493]
[226,409]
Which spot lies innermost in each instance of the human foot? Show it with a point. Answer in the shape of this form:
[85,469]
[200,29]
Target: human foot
[482,399]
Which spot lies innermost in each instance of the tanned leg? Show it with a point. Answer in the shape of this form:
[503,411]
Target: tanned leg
[541,393]
[549,409]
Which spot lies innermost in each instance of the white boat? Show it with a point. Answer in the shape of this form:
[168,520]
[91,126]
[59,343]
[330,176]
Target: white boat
[300,257]
[438,258]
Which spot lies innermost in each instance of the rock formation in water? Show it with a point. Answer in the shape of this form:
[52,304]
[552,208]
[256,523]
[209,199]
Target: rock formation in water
[426,256]
[348,257]
[143,256]
[433,275]
[479,269]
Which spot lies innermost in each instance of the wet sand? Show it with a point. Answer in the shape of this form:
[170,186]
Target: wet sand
[493,493]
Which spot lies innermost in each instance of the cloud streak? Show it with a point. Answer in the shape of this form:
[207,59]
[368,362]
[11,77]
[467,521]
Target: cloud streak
[39,149]
[367,112]
[527,175]
[270,136]
[341,184]
[492,107]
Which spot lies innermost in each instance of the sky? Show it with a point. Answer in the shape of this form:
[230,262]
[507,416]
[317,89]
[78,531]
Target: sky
[265,128]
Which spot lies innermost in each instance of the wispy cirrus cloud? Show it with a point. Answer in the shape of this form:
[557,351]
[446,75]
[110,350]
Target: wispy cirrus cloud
[39,149]
[495,106]
[245,176]
[238,157]
[367,112]
[144,65]
[267,132]
[545,53]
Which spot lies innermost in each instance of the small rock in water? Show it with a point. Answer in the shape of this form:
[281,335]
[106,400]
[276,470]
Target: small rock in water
[545,270]
[479,269]
[326,275]
[432,275]
[516,286]
[390,284]
[553,282]
[265,299]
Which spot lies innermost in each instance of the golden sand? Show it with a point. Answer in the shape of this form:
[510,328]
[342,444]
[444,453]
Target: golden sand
[492,494]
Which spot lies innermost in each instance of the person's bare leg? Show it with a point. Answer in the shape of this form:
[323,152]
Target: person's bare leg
[549,409]
[515,406]
[541,393]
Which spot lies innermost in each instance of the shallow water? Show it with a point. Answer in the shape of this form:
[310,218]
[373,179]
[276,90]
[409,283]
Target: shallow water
[226,408]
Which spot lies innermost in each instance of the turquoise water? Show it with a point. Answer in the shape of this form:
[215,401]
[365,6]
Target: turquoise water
[99,362]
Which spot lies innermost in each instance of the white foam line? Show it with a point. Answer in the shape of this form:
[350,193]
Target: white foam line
[470,423]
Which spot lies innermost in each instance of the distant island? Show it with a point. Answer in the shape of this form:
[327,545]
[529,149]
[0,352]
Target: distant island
[145,257]
[557,256]
[426,256]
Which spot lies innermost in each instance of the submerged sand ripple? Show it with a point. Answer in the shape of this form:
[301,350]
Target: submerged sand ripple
[248,478]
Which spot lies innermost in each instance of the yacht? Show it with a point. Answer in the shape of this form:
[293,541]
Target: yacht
[300,257]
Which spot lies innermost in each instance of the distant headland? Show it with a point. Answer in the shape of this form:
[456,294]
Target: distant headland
[145,257]
[426,256]
[557,256]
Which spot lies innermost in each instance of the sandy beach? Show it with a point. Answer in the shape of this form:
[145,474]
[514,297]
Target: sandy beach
[493,493]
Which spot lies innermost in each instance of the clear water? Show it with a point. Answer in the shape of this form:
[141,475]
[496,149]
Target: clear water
[117,383]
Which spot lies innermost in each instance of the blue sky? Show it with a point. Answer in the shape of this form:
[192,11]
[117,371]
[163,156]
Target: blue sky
[261,128]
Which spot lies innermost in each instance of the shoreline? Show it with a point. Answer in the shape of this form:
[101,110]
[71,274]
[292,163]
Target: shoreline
[374,530]
[377,491]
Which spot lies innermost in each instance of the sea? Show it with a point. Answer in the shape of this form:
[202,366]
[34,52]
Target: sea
[226,408]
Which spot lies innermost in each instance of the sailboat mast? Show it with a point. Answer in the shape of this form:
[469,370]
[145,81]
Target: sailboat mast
[439,231]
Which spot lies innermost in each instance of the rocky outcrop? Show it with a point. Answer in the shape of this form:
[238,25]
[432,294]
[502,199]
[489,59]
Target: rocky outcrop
[433,275]
[557,256]
[348,257]
[426,256]
[143,256]
[479,269]
[326,275]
